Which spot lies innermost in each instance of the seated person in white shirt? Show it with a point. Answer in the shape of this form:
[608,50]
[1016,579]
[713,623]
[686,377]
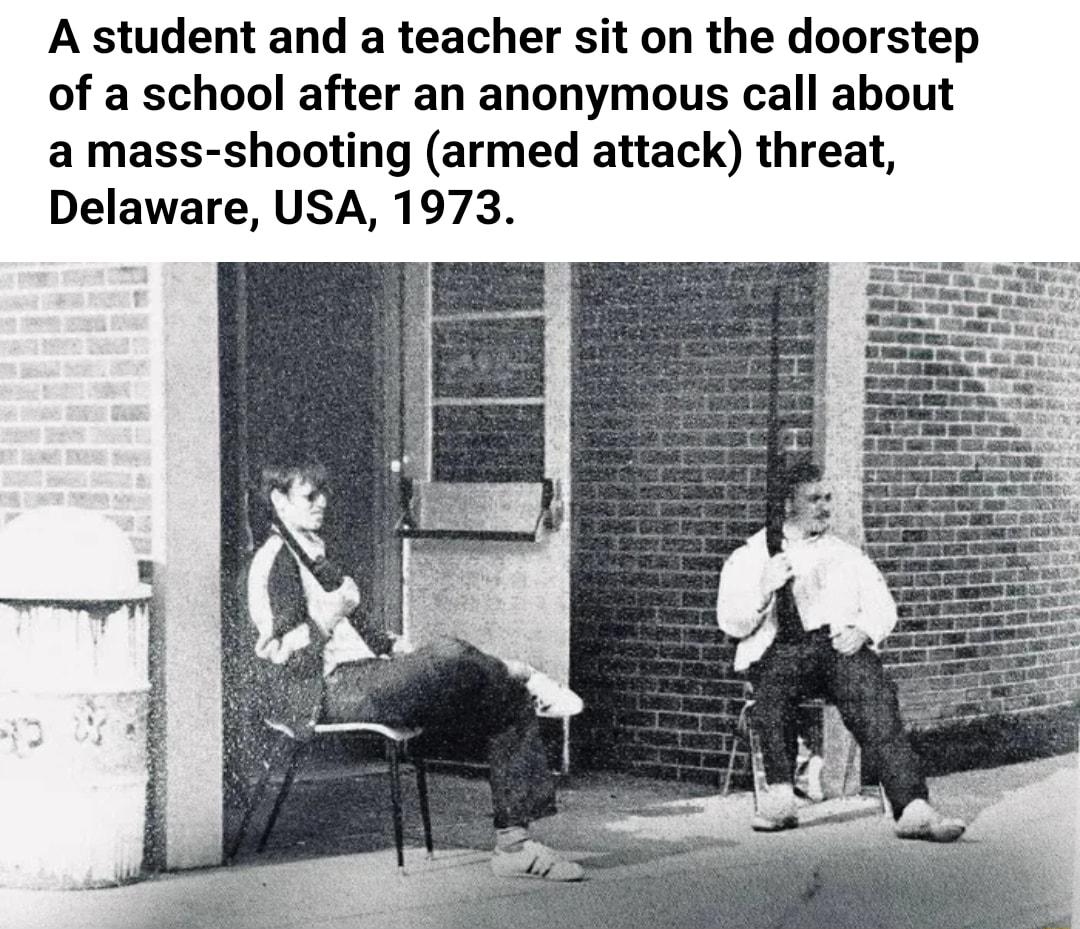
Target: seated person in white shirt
[829,649]
[322,662]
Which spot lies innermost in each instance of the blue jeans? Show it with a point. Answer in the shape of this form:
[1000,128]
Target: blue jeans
[453,689]
[856,685]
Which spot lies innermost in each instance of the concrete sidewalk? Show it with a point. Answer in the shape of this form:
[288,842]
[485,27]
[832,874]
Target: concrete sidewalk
[658,854]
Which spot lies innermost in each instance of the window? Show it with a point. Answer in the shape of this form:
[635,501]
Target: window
[487,356]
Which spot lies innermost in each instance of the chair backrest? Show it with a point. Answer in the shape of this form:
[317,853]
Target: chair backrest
[239,634]
[244,692]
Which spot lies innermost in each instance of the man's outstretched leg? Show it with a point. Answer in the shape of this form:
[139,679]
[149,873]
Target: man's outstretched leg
[522,791]
[451,688]
[868,704]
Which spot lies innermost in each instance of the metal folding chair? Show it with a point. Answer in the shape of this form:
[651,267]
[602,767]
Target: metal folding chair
[395,740]
[744,733]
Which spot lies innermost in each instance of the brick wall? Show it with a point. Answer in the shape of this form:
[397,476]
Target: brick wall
[75,391]
[972,494]
[669,423]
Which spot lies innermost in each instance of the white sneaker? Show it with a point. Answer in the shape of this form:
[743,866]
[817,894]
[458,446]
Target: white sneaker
[537,861]
[921,821]
[551,697]
[776,809]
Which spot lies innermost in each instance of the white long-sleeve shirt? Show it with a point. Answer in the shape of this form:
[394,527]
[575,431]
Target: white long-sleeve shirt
[835,585]
[326,608]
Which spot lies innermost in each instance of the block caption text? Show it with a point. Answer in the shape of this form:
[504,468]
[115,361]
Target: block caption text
[408,147]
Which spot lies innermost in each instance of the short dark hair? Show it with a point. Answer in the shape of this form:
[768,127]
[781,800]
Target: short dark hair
[797,474]
[283,476]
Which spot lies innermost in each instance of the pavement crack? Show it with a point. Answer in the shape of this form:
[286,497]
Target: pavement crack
[812,886]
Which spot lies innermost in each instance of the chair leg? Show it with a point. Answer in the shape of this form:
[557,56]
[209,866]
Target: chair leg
[393,750]
[425,811]
[886,807]
[735,740]
[249,810]
[757,763]
[295,750]
[849,768]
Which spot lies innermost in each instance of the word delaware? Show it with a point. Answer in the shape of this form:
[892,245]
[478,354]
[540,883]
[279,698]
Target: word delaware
[66,207]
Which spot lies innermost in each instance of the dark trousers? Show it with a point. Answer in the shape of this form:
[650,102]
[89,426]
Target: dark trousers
[865,698]
[458,692]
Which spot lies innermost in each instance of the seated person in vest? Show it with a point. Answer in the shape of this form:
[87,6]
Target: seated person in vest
[825,647]
[323,668]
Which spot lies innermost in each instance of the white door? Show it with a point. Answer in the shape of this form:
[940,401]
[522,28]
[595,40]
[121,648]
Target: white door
[487,399]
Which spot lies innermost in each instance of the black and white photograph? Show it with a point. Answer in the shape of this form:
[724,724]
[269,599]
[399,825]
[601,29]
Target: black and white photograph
[520,594]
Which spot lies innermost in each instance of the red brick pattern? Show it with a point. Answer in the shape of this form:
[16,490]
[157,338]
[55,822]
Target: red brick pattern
[972,482]
[669,424]
[75,391]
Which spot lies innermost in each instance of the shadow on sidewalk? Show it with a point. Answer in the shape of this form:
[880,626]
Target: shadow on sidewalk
[611,819]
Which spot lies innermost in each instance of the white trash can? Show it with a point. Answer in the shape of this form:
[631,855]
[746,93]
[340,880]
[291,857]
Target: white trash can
[73,702]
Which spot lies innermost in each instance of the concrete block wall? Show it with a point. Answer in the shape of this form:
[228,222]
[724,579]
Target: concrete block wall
[972,482]
[670,401]
[75,388]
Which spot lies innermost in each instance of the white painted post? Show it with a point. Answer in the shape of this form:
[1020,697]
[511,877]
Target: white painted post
[839,398]
[186,801]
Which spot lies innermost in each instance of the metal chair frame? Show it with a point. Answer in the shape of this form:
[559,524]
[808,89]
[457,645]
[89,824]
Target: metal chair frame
[395,741]
[744,731]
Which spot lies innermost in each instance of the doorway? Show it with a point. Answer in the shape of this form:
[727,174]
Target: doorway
[310,369]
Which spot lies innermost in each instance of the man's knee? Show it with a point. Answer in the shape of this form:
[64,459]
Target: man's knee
[871,700]
[769,711]
[866,679]
[448,647]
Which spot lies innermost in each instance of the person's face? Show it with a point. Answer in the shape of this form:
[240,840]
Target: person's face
[303,508]
[810,507]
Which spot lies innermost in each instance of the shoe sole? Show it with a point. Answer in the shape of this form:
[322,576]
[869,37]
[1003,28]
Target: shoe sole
[777,826]
[541,877]
[929,835]
[538,876]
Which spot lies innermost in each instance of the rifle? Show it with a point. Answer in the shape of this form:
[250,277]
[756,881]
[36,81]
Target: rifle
[330,578]
[787,614]
[326,572]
